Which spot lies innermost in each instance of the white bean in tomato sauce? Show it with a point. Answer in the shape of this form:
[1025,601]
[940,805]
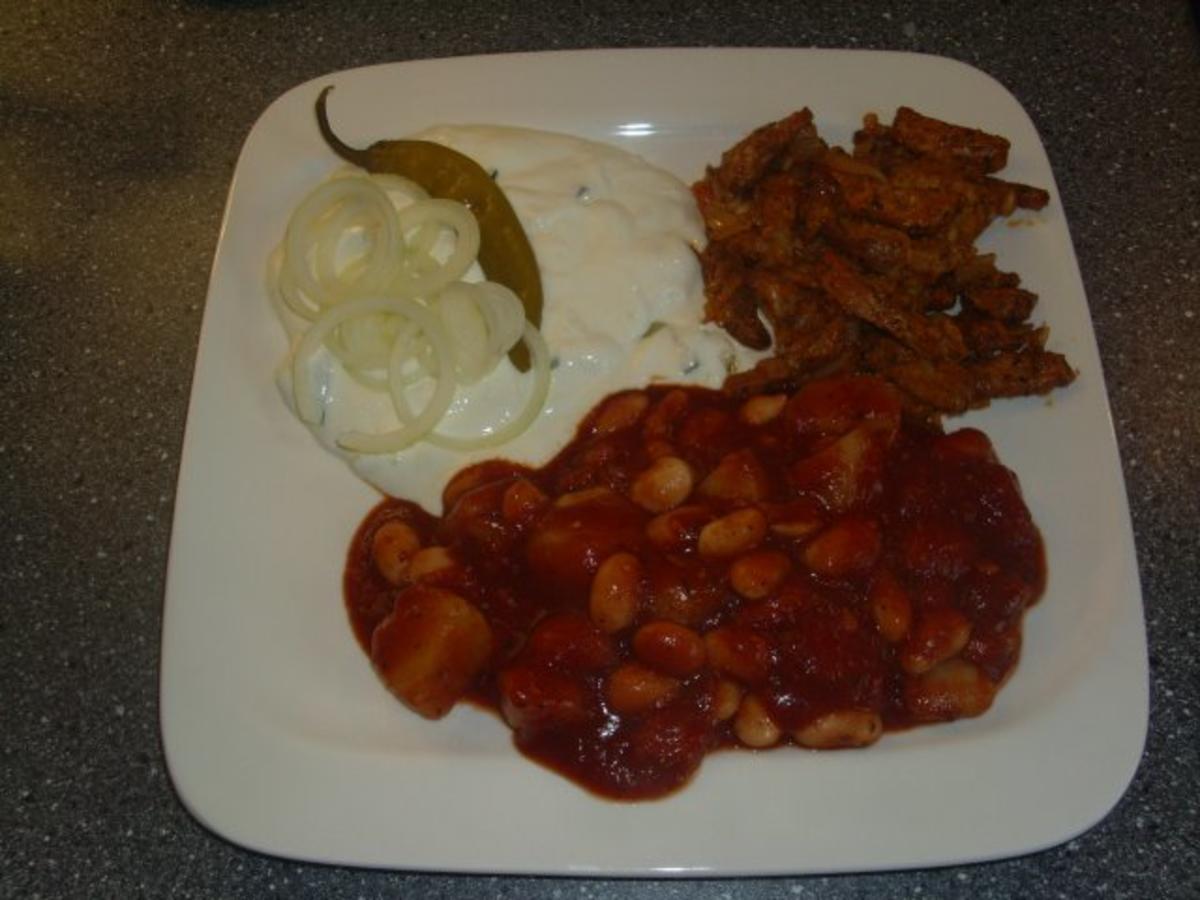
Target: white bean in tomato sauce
[695,572]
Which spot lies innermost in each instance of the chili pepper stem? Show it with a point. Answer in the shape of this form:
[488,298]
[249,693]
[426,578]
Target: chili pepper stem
[360,158]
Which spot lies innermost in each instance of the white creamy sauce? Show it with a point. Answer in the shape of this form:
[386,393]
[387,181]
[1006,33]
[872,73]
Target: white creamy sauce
[615,240]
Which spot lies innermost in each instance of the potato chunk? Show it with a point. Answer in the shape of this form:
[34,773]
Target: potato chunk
[567,544]
[429,650]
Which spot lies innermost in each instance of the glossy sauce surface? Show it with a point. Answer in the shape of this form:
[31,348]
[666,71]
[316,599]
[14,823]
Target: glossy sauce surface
[695,571]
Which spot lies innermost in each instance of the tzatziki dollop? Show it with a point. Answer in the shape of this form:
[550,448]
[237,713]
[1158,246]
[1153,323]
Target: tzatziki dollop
[616,241]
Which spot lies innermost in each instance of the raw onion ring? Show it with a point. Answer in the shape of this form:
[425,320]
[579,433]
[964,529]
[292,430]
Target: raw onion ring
[310,230]
[394,313]
[417,426]
[539,370]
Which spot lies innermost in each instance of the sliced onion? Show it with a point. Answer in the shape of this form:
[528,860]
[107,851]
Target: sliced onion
[539,373]
[435,408]
[317,227]
[505,314]
[415,427]
[327,235]
[459,308]
[279,300]
[448,214]
[420,247]
[419,363]
[364,342]
[394,314]
[401,185]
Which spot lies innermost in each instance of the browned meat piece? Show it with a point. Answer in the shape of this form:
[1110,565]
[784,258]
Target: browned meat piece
[810,333]
[739,316]
[910,208]
[987,337]
[835,159]
[1031,197]
[923,173]
[1018,374]
[775,209]
[875,142]
[975,150]
[932,257]
[931,389]
[909,291]
[805,144]
[980,271]
[1012,304]
[869,135]
[944,385]
[724,275]
[977,200]
[724,216]
[775,203]
[1023,195]
[826,349]
[771,374]
[729,301]
[785,300]
[764,149]
[878,247]
[940,297]
[932,336]
[881,351]
[866,262]
[998,198]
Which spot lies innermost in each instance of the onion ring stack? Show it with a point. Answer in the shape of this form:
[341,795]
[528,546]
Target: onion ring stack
[372,268]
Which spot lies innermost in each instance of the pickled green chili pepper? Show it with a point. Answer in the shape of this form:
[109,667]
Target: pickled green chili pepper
[505,254]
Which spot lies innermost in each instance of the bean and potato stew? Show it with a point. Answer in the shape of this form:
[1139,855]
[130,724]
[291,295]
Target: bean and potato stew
[697,571]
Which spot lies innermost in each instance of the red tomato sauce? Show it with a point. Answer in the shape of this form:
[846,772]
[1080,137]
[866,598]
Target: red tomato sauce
[810,570]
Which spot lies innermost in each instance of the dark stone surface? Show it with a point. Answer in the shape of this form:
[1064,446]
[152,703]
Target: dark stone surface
[120,123]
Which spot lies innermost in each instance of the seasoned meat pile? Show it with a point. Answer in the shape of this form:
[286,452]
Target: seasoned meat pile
[867,263]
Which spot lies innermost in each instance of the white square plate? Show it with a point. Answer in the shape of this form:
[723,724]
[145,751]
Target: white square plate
[277,733]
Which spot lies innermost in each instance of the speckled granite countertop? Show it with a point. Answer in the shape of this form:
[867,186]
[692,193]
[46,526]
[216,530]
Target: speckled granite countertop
[120,123]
